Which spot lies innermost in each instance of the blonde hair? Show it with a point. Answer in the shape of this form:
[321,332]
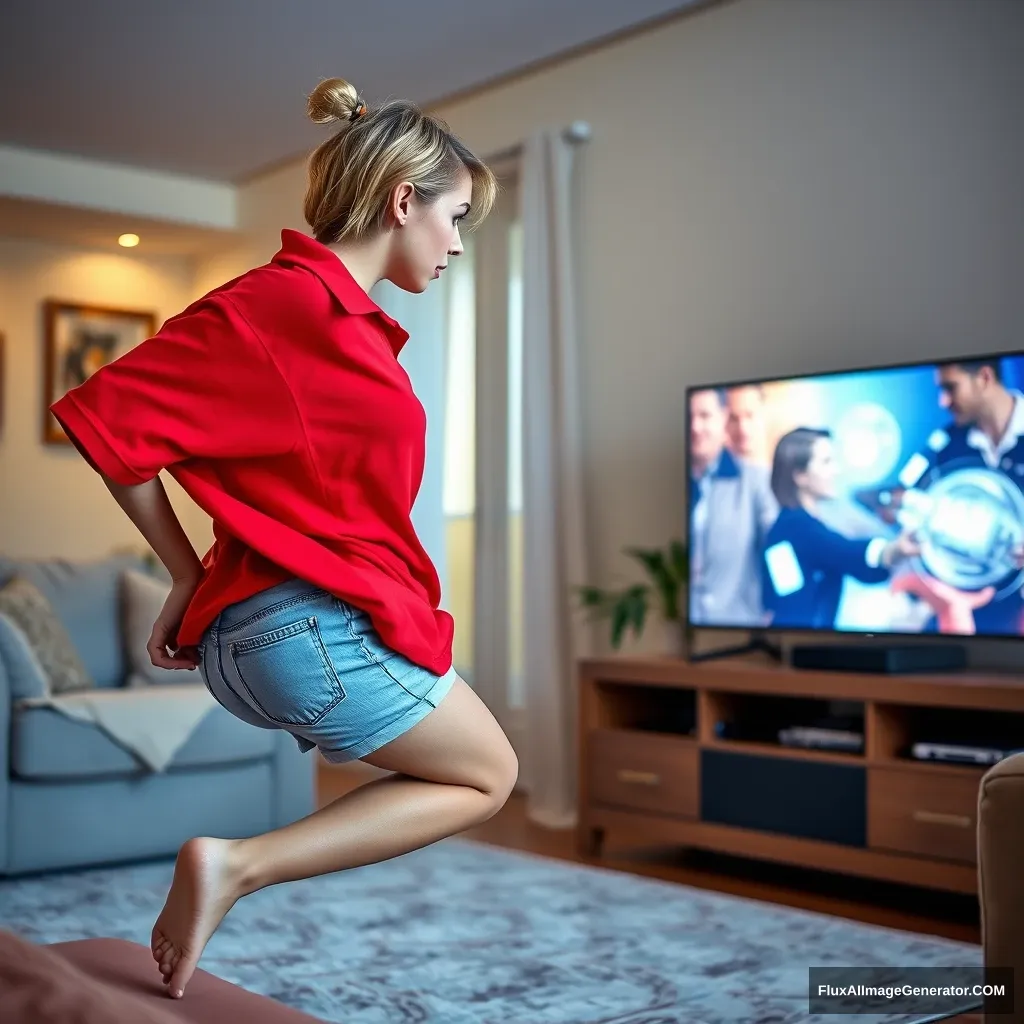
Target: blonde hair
[352,174]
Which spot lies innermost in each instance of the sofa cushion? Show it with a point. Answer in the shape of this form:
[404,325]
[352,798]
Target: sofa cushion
[27,608]
[85,594]
[46,744]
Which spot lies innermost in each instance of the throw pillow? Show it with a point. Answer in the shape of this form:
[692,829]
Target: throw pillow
[34,616]
[25,676]
[142,600]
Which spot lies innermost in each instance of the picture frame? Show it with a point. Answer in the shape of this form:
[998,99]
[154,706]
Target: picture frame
[79,339]
[3,385]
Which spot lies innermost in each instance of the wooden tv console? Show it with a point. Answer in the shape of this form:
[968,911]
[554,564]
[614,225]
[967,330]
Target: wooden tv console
[678,753]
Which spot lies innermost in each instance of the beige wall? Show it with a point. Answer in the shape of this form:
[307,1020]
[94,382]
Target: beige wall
[51,502]
[772,186]
[776,186]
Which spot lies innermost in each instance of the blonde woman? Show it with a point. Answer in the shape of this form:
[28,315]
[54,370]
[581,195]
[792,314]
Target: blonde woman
[278,403]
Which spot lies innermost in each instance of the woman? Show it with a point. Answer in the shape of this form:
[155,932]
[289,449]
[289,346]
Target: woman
[278,403]
[805,561]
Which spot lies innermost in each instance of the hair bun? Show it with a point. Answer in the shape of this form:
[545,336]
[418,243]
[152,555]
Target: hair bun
[333,99]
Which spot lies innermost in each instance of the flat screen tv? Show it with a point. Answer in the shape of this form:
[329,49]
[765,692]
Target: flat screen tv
[885,500]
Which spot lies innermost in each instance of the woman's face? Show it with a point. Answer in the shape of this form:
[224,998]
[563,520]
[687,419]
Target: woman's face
[429,236]
[818,480]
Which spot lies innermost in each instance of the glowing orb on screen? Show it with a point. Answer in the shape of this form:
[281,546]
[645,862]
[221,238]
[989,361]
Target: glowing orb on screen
[868,442]
[972,521]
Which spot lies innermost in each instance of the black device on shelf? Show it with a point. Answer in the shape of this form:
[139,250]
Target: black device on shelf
[882,658]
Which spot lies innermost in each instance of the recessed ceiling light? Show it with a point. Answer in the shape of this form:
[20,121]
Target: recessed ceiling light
[128,241]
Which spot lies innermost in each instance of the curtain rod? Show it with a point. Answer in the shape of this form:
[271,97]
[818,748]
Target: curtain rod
[578,131]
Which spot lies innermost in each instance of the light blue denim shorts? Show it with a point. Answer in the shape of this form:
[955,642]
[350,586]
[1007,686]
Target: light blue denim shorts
[297,658]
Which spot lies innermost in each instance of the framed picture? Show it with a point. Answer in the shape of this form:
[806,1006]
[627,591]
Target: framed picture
[79,340]
[3,356]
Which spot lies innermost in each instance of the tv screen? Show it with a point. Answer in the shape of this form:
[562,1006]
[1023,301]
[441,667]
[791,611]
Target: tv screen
[872,501]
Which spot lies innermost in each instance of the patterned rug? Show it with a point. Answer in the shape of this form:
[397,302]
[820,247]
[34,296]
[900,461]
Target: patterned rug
[464,933]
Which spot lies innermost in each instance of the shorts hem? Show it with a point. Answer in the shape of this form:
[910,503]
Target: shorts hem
[427,703]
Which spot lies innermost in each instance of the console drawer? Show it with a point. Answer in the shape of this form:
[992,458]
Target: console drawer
[643,771]
[933,815]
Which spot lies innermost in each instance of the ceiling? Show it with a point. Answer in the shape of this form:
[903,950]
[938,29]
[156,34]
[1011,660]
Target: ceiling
[217,88]
[98,231]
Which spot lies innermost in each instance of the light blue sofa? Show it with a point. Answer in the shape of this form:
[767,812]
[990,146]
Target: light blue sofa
[71,797]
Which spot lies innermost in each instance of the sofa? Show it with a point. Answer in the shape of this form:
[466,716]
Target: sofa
[71,796]
[1001,874]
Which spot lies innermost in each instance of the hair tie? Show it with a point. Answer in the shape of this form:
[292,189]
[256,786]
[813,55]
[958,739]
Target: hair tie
[358,112]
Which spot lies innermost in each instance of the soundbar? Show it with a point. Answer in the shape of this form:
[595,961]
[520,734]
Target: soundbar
[890,659]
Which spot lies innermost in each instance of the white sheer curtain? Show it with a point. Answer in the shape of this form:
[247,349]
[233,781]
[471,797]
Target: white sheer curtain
[554,528]
[424,316]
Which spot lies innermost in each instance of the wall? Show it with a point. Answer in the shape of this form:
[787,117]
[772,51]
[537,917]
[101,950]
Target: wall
[772,186]
[51,502]
[775,186]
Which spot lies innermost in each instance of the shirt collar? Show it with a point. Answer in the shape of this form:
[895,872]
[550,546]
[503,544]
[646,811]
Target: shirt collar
[724,467]
[298,249]
[1014,429]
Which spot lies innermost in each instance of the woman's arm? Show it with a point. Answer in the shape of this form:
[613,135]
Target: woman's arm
[149,508]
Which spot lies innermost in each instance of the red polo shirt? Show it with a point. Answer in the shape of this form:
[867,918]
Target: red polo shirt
[278,404]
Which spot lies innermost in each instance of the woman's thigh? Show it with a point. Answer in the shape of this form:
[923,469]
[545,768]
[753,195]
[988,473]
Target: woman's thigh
[459,743]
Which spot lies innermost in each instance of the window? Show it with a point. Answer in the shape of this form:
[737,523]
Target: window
[484,321]
[460,455]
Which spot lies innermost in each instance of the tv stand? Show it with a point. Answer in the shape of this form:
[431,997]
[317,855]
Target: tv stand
[757,644]
[704,756]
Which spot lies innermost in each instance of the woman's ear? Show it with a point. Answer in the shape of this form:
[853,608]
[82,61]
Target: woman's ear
[402,196]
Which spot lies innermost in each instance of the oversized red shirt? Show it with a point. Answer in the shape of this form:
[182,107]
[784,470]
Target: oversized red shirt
[277,402]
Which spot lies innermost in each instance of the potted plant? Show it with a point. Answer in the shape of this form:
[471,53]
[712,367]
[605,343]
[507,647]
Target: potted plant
[630,608]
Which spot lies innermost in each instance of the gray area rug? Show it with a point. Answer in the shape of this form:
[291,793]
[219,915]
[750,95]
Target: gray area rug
[464,933]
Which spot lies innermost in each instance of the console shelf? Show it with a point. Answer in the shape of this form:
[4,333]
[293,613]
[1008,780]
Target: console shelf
[689,753]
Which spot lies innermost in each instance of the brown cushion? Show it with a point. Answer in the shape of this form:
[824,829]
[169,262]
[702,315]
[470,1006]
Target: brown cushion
[37,986]
[110,981]
[128,968]
[1000,879]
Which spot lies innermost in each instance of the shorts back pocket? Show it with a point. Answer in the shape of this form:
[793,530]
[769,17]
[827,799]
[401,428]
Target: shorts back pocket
[288,673]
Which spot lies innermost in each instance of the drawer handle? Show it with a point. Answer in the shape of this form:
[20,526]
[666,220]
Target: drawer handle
[934,818]
[641,778]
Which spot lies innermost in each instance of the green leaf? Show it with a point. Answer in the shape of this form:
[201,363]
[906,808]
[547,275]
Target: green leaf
[638,608]
[652,561]
[591,597]
[620,619]
[679,558]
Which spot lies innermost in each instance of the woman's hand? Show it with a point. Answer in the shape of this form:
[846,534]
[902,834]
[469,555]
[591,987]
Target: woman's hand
[954,609]
[904,546]
[165,629]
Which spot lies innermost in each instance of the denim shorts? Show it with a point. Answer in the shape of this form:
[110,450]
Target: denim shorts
[297,658]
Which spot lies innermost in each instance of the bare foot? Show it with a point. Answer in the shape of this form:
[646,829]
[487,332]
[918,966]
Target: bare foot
[205,887]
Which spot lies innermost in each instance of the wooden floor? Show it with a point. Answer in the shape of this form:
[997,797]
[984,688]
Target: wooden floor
[948,915]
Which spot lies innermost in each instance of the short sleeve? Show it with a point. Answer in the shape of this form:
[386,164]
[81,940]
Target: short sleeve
[203,387]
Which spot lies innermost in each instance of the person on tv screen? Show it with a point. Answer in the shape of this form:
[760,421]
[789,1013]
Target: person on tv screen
[731,510]
[806,561]
[986,432]
[747,430]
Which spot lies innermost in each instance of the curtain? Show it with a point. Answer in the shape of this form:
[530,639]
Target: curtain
[554,534]
[424,359]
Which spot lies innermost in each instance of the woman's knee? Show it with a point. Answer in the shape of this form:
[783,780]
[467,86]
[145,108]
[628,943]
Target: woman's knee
[503,776]
[459,743]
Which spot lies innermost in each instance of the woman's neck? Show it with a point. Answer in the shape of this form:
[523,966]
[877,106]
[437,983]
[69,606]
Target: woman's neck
[809,504]
[365,261]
